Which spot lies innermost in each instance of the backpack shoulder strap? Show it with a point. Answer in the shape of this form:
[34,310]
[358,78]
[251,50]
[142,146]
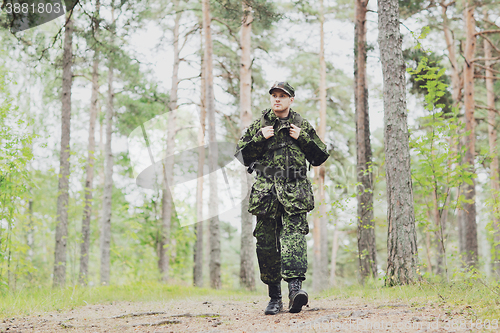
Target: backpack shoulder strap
[263,119]
[297,120]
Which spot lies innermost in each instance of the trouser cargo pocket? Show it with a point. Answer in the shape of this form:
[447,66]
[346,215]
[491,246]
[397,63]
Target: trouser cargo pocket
[263,202]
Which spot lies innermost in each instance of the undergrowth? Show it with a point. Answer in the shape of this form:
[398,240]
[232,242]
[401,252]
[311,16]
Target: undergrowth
[35,300]
[472,297]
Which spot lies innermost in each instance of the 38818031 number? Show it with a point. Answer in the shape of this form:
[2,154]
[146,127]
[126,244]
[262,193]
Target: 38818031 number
[33,8]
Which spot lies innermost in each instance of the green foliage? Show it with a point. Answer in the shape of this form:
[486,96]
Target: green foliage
[15,154]
[29,300]
[422,60]
[227,18]
[263,11]
[436,167]
[343,10]
[409,8]
[470,296]
[135,110]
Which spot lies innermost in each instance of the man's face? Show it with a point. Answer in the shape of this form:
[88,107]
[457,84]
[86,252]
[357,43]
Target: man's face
[280,101]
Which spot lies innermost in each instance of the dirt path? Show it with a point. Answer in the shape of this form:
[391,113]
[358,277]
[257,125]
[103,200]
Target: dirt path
[203,314]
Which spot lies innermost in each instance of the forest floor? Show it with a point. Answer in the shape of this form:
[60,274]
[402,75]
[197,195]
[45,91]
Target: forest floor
[245,313]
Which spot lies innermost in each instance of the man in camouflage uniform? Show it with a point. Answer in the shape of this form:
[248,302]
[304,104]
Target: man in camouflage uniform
[277,146]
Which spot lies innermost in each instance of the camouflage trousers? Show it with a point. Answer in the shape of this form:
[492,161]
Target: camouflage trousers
[281,246]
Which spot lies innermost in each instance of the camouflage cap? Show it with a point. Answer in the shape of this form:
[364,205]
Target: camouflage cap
[285,86]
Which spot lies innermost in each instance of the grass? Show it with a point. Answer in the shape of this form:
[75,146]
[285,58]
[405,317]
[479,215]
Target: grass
[36,300]
[470,298]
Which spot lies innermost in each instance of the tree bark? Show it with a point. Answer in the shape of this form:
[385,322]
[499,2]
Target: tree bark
[456,90]
[168,167]
[335,248]
[492,140]
[64,170]
[471,247]
[402,258]
[428,246]
[198,248]
[101,147]
[108,172]
[461,223]
[214,264]
[87,210]
[440,250]
[247,249]
[367,253]
[30,233]
[320,248]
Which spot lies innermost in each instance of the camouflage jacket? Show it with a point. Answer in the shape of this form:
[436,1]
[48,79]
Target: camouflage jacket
[280,151]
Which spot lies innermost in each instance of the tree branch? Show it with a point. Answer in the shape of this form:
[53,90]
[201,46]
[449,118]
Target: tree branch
[491,23]
[195,28]
[56,36]
[230,122]
[190,78]
[484,59]
[183,128]
[486,77]
[446,5]
[485,107]
[486,32]
[491,43]
[231,32]
[488,68]
[82,75]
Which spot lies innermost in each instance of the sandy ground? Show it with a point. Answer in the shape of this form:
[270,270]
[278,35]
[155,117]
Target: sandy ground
[205,314]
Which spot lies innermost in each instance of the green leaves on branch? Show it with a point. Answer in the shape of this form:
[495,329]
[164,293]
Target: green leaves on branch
[15,154]
[436,164]
[434,86]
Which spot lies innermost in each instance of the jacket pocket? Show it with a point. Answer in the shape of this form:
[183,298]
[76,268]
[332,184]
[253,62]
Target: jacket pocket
[298,196]
[262,201]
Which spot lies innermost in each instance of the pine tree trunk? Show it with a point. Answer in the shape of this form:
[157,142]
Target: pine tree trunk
[471,247]
[456,92]
[101,148]
[492,139]
[440,252]
[402,258]
[320,258]
[87,210]
[30,234]
[198,247]
[428,246]
[247,250]
[335,248]
[64,171]
[108,172]
[367,253]
[460,212]
[215,281]
[168,167]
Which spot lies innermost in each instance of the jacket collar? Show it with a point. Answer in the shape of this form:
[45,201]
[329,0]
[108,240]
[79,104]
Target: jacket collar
[272,117]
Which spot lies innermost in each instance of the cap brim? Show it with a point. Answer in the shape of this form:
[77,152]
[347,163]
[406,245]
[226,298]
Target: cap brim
[287,92]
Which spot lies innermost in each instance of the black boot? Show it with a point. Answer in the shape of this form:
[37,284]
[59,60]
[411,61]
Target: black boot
[275,304]
[298,297]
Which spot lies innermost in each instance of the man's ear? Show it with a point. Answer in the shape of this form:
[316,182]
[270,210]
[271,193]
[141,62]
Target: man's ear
[291,99]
